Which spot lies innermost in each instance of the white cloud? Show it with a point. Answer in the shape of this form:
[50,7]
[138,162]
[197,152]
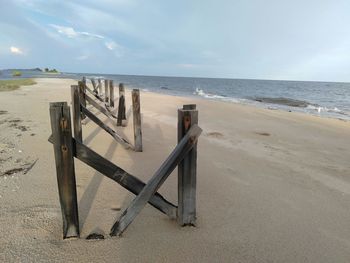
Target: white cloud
[16,50]
[111,45]
[72,33]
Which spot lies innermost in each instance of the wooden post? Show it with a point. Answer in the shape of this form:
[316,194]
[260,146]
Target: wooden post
[78,135]
[63,150]
[187,169]
[111,93]
[122,92]
[100,87]
[121,106]
[106,90]
[82,95]
[93,82]
[136,109]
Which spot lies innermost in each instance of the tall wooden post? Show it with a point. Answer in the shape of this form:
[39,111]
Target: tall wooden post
[187,169]
[111,93]
[106,90]
[82,96]
[78,135]
[121,106]
[63,150]
[100,87]
[136,109]
[93,82]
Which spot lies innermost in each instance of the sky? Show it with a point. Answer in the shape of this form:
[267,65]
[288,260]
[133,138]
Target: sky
[256,39]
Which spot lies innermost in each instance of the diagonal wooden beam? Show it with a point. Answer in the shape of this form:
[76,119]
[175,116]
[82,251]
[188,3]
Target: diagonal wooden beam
[93,93]
[116,136]
[177,155]
[101,108]
[117,174]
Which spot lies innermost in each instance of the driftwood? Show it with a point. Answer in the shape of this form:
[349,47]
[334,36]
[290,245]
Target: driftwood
[135,207]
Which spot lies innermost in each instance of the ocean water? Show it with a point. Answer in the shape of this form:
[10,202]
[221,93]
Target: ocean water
[330,99]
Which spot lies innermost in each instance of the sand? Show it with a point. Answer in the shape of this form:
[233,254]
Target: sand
[273,186]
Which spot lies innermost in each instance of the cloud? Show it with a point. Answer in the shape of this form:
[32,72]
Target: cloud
[111,45]
[72,33]
[116,48]
[16,50]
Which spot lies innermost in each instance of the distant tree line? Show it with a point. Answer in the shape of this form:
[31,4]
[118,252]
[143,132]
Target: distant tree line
[51,70]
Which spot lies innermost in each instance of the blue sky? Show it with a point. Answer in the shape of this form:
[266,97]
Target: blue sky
[264,39]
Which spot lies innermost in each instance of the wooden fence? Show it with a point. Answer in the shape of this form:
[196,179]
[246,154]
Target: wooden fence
[66,147]
[104,103]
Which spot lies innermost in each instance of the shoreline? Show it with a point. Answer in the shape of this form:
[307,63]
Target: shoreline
[243,103]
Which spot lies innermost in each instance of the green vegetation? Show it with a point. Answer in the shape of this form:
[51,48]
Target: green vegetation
[12,84]
[16,73]
[47,70]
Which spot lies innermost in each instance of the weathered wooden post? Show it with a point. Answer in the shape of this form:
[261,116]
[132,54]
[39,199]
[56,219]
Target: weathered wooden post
[187,169]
[136,109]
[93,82]
[100,87]
[82,96]
[111,93]
[78,135]
[106,90]
[121,106]
[63,150]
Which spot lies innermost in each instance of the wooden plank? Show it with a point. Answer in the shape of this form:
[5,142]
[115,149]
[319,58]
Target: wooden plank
[135,207]
[187,169]
[78,134]
[111,93]
[102,109]
[137,120]
[115,135]
[117,174]
[82,92]
[63,150]
[106,90]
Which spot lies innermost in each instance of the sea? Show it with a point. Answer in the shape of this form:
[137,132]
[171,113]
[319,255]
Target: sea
[327,99]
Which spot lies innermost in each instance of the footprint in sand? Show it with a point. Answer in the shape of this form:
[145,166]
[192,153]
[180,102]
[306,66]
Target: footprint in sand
[216,135]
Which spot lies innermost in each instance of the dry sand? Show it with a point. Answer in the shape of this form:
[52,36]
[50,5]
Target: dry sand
[273,186]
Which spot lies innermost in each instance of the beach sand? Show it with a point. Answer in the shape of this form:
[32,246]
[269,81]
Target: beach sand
[272,186]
